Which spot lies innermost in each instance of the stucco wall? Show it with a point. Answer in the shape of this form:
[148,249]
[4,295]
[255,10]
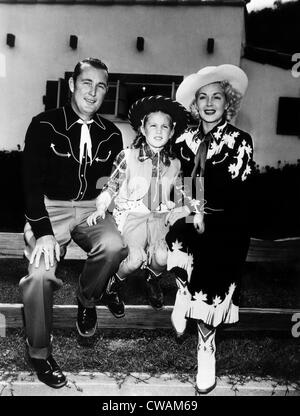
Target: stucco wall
[175,44]
[259,112]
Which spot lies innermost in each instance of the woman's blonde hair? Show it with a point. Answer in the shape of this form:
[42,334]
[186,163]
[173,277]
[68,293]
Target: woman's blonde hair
[233,99]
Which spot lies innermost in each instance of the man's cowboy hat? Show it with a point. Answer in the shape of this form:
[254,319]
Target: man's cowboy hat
[155,103]
[190,85]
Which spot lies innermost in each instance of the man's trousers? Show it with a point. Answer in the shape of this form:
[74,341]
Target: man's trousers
[105,250]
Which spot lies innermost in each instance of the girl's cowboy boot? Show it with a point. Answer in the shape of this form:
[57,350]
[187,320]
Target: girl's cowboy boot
[178,316]
[206,375]
[153,289]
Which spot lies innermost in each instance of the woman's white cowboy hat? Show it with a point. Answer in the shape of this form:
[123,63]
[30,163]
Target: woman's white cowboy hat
[190,85]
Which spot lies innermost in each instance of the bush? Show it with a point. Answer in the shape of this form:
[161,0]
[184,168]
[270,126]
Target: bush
[12,205]
[275,201]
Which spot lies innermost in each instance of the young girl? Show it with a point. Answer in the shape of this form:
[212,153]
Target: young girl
[218,156]
[140,184]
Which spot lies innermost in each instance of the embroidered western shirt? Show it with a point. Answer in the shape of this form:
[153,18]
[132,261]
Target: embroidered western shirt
[229,162]
[51,162]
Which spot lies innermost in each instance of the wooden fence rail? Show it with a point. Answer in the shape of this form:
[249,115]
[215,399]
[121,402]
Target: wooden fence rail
[283,250]
[144,317]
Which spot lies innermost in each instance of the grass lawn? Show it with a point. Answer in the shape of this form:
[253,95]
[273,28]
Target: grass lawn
[157,352]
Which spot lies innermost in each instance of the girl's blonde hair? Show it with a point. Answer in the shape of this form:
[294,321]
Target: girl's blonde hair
[233,99]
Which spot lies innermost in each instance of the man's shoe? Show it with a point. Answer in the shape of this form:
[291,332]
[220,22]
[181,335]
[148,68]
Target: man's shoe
[154,292]
[48,372]
[86,320]
[112,299]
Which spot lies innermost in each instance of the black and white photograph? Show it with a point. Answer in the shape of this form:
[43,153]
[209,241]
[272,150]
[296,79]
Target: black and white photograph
[150,209]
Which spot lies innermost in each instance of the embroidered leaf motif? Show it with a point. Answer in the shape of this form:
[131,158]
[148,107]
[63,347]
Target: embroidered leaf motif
[247,171]
[232,168]
[195,203]
[213,147]
[217,300]
[229,140]
[217,134]
[243,150]
[248,150]
[176,246]
[235,134]
[200,296]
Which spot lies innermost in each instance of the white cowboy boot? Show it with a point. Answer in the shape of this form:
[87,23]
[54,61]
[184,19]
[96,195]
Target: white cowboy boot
[206,375]
[183,298]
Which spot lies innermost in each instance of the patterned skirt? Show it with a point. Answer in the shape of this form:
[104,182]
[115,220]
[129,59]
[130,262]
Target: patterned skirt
[212,264]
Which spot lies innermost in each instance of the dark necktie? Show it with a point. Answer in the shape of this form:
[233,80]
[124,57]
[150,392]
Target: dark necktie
[200,158]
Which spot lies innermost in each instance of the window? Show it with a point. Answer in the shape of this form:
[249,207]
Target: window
[123,91]
[288,119]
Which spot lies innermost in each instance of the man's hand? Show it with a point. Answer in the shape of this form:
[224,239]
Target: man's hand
[48,247]
[92,219]
[176,214]
[198,221]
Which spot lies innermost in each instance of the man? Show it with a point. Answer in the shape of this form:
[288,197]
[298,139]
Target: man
[66,151]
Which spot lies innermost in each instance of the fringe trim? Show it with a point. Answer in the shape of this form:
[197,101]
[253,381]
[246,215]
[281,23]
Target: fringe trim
[215,314]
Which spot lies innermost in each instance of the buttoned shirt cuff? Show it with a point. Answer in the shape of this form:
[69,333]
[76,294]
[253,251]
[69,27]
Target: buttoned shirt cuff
[41,227]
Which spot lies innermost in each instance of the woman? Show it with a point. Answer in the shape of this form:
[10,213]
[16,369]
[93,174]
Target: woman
[218,158]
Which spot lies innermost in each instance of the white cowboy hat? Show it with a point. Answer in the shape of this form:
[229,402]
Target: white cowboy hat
[190,85]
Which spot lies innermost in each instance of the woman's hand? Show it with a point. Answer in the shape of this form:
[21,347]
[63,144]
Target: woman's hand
[176,214]
[100,212]
[198,221]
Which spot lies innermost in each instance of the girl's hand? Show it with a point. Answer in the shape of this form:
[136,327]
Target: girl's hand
[170,204]
[92,219]
[176,214]
[198,221]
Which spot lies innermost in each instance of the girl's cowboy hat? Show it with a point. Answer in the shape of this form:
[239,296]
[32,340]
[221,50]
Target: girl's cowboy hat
[190,85]
[155,103]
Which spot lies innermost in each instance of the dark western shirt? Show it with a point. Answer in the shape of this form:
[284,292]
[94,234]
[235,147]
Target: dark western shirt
[51,165]
[228,163]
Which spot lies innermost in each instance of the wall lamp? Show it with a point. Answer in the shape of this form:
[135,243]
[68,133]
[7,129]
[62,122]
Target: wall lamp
[10,40]
[210,45]
[140,43]
[73,41]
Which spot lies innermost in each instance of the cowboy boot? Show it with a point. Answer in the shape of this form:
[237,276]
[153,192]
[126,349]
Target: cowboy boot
[206,375]
[154,292]
[182,301]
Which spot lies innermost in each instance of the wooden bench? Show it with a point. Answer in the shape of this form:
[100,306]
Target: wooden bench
[144,317]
